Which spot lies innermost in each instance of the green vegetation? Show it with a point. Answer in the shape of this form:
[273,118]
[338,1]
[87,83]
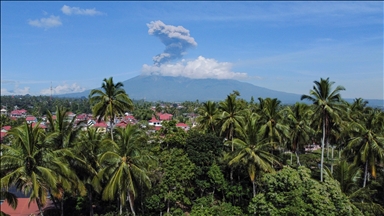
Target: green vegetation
[237,158]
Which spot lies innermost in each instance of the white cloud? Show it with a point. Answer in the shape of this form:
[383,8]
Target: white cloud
[16,91]
[200,68]
[78,11]
[63,89]
[52,21]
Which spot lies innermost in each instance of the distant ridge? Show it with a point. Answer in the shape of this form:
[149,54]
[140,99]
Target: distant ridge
[167,88]
[178,89]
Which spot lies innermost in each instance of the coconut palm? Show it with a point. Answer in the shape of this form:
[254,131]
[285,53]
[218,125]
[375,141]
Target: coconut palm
[298,119]
[90,145]
[31,166]
[327,103]
[125,166]
[272,127]
[110,101]
[349,176]
[252,151]
[208,115]
[231,115]
[62,135]
[62,131]
[367,141]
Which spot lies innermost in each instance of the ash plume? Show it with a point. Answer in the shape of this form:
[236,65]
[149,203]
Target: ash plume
[175,38]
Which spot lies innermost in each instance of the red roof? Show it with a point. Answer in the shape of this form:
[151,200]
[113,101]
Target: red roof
[3,134]
[154,119]
[81,116]
[129,117]
[166,116]
[40,125]
[157,128]
[7,128]
[100,124]
[121,124]
[181,125]
[22,207]
[30,118]
[18,112]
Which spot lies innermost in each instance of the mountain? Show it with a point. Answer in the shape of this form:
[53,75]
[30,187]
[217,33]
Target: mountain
[172,89]
[179,89]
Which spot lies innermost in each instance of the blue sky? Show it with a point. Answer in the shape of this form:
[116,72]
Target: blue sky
[282,46]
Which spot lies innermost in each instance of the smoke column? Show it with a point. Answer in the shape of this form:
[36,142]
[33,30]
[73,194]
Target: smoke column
[175,38]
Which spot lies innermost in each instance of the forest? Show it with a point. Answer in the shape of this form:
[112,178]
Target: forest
[239,157]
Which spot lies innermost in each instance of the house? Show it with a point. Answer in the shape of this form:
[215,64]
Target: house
[165,116]
[81,117]
[101,126]
[3,112]
[2,135]
[41,125]
[183,126]
[70,116]
[154,122]
[31,119]
[24,208]
[123,124]
[130,118]
[5,128]
[4,131]
[19,113]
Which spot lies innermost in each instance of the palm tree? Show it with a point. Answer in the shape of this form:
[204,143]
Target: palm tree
[208,116]
[110,101]
[272,128]
[62,131]
[231,115]
[125,166]
[30,165]
[89,147]
[252,151]
[62,135]
[327,104]
[298,118]
[348,175]
[367,141]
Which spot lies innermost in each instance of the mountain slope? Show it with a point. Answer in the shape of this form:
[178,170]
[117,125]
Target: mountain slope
[181,89]
[155,88]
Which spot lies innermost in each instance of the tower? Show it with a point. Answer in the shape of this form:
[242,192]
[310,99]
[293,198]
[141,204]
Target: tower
[51,92]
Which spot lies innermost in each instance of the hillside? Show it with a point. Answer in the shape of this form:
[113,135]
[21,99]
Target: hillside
[178,89]
[155,88]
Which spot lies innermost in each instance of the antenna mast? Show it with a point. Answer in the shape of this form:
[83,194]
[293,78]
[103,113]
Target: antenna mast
[51,91]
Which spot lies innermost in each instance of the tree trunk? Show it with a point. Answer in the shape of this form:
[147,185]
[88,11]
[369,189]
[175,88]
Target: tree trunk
[327,132]
[332,161]
[131,204]
[120,209]
[120,204]
[54,200]
[62,206]
[365,174]
[90,203]
[254,188]
[297,159]
[40,206]
[111,128]
[322,153]
[167,206]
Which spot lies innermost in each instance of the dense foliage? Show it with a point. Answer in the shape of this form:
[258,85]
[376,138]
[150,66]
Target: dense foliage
[237,158]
